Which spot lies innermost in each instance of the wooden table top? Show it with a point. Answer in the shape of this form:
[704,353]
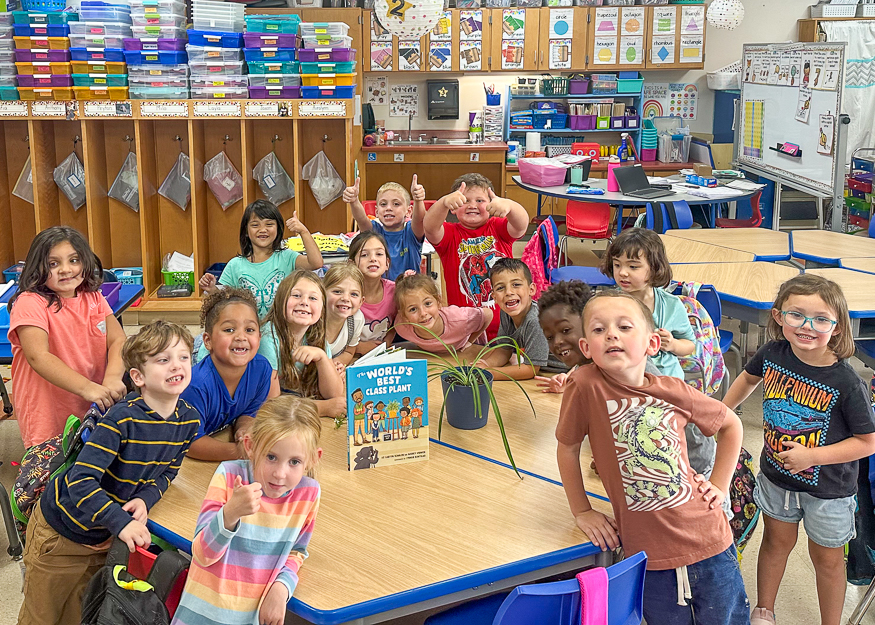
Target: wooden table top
[858,287]
[828,246]
[750,284]
[858,264]
[689,251]
[385,531]
[763,243]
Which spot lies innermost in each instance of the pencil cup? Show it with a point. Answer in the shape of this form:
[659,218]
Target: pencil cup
[493,99]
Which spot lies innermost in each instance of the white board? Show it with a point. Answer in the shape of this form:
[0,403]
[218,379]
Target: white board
[770,112]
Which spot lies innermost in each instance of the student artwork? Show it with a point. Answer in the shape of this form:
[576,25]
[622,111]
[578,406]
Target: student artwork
[408,18]
[381,56]
[513,24]
[803,107]
[378,32]
[560,54]
[387,408]
[605,51]
[693,20]
[691,48]
[606,21]
[662,49]
[752,141]
[442,30]
[439,56]
[471,25]
[827,133]
[409,56]
[664,20]
[795,68]
[631,50]
[512,53]
[470,55]
[561,23]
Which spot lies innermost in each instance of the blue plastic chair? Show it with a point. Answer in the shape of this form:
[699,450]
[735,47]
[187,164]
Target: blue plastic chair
[682,213]
[558,603]
[591,275]
[866,352]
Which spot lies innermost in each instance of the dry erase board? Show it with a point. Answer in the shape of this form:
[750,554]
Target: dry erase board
[791,98]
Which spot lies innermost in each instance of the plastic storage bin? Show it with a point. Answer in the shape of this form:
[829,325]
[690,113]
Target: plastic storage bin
[100,80]
[219,80]
[178,277]
[49,17]
[269,54]
[201,53]
[8,81]
[173,20]
[267,93]
[215,39]
[41,30]
[206,68]
[287,24]
[42,43]
[165,71]
[110,290]
[540,172]
[322,54]
[12,274]
[45,80]
[315,93]
[328,68]
[56,93]
[7,56]
[171,82]
[221,25]
[326,41]
[162,32]
[154,57]
[274,80]
[158,93]
[104,14]
[42,56]
[98,54]
[260,67]
[265,40]
[101,93]
[327,80]
[7,69]
[98,67]
[154,43]
[219,93]
[627,85]
[97,41]
[43,68]
[100,28]
[323,29]
[9,94]
[158,6]
[128,275]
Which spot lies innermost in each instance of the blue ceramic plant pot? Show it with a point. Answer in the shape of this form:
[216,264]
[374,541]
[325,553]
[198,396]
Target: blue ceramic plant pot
[460,407]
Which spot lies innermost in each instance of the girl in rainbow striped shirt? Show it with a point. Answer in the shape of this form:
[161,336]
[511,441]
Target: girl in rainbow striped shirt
[256,522]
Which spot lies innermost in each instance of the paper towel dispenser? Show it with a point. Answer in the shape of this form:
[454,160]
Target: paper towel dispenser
[443,99]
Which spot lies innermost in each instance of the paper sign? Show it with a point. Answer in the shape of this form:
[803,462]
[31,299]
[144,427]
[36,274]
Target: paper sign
[662,49]
[471,25]
[691,49]
[49,109]
[403,100]
[795,68]
[560,53]
[692,20]
[664,20]
[803,107]
[784,72]
[442,31]
[376,90]
[832,70]
[513,24]
[260,108]
[409,56]
[216,108]
[670,100]
[774,69]
[322,108]
[632,21]
[827,132]
[606,21]
[605,51]
[470,55]
[818,74]
[631,50]
[13,109]
[561,23]
[164,108]
[512,54]
[381,56]
[439,56]
[108,109]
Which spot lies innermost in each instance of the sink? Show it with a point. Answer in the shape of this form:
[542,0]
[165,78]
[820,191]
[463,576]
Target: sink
[407,143]
[454,142]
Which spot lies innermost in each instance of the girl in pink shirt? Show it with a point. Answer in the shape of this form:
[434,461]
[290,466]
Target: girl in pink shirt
[371,254]
[66,343]
[422,320]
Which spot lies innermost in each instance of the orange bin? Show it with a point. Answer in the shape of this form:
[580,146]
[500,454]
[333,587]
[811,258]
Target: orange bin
[38,93]
[29,69]
[99,67]
[101,93]
[42,43]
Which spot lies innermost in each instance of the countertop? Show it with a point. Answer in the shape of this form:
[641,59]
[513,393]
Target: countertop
[429,147]
[602,165]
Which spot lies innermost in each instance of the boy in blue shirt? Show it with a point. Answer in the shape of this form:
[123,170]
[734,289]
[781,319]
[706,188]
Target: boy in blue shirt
[122,471]
[403,237]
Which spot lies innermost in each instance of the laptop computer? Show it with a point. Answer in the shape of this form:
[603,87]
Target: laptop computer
[633,182]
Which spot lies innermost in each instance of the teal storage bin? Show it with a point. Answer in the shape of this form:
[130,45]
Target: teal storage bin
[278,67]
[282,24]
[100,80]
[328,68]
[629,85]
[9,94]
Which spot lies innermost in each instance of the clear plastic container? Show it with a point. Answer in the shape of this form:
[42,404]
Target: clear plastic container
[114,55]
[219,93]
[45,80]
[199,53]
[7,18]
[287,24]
[7,33]
[43,68]
[270,55]
[42,43]
[219,80]
[324,29]
[101,93]
[158,32]
[330,55]
[158,93]
[268,93]
[152,43]
[101,28]
[217,25]
[173,82]
[7,56]
[100,80]
[165,71]
[215,39]
[98,67]
[274,80]
[208,68]
[42,56]
[7,44]
[9,81]
[158,6]
[104,14]
[58,93]
[173,19]
[327,41]
[269,40]
[96,41]
[259,67]
[327,80]
[218,10]
[7,69]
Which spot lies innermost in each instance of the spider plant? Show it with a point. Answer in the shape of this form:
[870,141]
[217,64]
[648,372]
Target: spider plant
[457,371]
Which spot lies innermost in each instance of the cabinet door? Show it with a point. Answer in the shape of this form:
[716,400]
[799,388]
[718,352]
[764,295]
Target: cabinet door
[442,54]
[562,41]
[474,39]
[675,37]
[616,38]
[515,38]
[379,51]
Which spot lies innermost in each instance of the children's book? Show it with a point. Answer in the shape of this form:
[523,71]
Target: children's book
[387,409]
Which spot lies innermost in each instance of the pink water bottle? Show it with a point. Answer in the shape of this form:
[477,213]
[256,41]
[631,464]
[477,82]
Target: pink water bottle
[613,163]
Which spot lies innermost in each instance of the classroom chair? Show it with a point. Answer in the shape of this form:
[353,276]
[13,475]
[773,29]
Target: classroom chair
[583,220]
[662,216]
[755,219]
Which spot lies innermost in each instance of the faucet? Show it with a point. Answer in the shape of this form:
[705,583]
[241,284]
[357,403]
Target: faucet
[423,138]
[410,126]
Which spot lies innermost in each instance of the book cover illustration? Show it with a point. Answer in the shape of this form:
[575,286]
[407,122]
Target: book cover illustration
[387,412]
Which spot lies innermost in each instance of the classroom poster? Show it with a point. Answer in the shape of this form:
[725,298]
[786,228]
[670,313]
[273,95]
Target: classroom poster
[376,90]
[752,141]
[512,54]
[440,56]
[693,20]
[605,51]
[774,69]
[631,50]
[441,30]
[560,53]
[381,56]
[403,101]
[691,48]
[674,99]
[795,68]
[606,21]
[378,33]
[632,21]
[471,25]
[470,53]
[803,106]
[827,133]
[561,23]
[513,24]
[662,49]
[784,71]
[664,20]
[409,56]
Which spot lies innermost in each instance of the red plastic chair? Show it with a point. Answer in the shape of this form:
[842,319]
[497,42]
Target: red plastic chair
[754,222]
[588,220]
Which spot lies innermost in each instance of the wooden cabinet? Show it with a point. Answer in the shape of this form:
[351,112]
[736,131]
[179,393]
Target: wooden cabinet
[384,52]
[616,38]
[675,37]
[562,41]
[810,30]
[515,39]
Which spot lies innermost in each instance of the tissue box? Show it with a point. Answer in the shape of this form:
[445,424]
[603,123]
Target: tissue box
[541,172]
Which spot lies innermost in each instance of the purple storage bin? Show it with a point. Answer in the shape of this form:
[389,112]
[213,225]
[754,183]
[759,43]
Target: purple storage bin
[578,87]
[574,122]
[110,292]
[45,80]
[633,122]
[42,56]
[326,55]
[587,122]
[266,93]
[168,45]
[268,40]
[648,155]
[618,123]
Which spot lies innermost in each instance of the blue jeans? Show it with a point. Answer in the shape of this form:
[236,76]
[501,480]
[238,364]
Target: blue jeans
[718,593]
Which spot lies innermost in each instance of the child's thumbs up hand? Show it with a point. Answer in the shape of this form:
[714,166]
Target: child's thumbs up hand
[456,199]
[498,207]
[295,225]
[351,194]
[417,191]
[245,500]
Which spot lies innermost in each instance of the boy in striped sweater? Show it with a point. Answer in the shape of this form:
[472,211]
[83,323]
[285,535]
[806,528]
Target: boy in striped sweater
[132,456]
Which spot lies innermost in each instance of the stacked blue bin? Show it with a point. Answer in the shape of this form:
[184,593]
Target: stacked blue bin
[156,52]
[271,42]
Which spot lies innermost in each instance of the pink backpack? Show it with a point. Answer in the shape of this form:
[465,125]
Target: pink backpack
[541,254]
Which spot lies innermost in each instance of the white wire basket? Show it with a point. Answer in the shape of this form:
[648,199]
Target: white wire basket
[725,78]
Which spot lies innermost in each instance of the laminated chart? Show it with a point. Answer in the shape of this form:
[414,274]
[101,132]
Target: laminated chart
[442,30]
[381,55]
[513,24]
[439,56]
[409,56]
[753,128]
[471,25]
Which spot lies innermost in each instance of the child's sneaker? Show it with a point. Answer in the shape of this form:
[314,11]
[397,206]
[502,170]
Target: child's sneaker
[762,616]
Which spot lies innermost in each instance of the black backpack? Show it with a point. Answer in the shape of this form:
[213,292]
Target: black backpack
[115,597]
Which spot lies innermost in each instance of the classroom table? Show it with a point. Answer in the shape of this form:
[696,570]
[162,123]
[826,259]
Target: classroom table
[764,244]
[127,295]
[620,200]
[866,265]
[859,290]
[409,538]
[687,251]
[827,247]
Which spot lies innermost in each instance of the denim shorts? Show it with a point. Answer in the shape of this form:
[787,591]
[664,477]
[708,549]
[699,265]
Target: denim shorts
[828,522]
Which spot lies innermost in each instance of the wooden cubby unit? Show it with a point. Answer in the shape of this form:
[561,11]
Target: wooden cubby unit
[17,216]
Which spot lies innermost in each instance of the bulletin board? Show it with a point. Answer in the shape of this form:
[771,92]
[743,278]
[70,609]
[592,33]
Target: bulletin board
[791,97]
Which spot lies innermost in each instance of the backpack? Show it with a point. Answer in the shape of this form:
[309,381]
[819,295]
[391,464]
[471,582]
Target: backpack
[541,254]
[117,594]
[43,462]
[745,513]
[706,365]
